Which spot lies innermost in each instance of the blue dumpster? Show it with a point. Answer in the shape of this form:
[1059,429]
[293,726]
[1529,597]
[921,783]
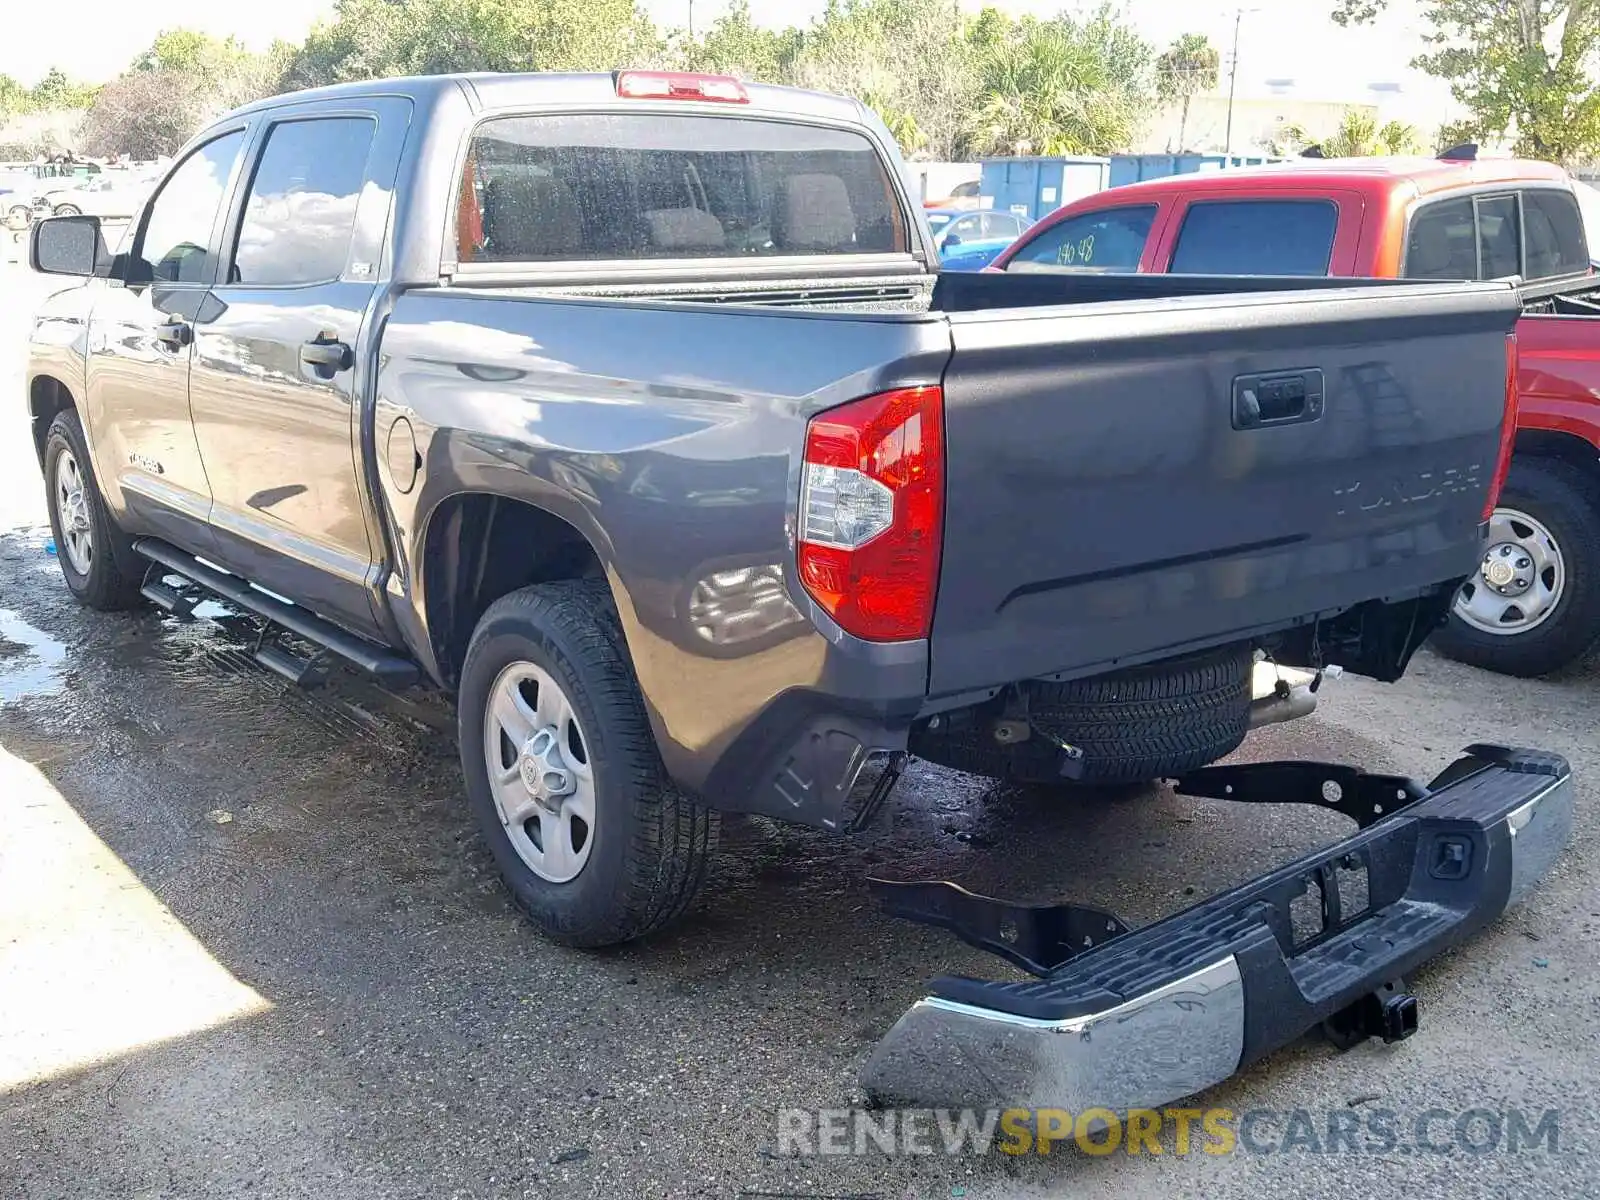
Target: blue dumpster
[1032,187]
[1132,168]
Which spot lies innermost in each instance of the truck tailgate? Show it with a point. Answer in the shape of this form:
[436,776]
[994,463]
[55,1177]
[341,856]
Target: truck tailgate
[1131,479]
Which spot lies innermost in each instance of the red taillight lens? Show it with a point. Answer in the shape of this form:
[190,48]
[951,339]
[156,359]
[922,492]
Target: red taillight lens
[1508,431]
[680,85]
[872,513]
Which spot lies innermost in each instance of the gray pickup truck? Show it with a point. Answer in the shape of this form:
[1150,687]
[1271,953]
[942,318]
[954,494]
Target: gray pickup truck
[633,411]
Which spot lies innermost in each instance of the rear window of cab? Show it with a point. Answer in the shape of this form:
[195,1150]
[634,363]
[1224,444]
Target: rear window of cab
[607,186]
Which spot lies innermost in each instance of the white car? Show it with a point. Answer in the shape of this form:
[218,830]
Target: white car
[109,195]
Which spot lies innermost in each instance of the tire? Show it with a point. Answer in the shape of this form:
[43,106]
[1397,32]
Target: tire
[18,216]
[647,847]
[67,210]
[109,576]
[1565,501]
[1147,723]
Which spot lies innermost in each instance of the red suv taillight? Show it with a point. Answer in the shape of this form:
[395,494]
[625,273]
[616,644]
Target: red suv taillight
[1508,431]
[872,513]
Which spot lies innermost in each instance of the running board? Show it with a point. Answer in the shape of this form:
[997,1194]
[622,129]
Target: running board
[387,667]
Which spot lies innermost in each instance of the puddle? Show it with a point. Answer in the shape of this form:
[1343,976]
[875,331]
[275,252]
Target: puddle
[30,660]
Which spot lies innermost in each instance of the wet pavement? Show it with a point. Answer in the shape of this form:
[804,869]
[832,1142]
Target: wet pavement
[250,944]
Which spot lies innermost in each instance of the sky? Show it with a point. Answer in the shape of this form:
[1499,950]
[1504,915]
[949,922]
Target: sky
[1279,39]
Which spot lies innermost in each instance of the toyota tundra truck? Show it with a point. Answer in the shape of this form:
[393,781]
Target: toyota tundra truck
[632,410]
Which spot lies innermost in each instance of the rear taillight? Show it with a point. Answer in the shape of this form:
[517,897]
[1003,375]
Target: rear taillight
[1508,431]
[680,85]
[872,513]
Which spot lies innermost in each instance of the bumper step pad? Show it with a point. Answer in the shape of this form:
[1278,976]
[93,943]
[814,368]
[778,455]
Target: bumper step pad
[1126,1020]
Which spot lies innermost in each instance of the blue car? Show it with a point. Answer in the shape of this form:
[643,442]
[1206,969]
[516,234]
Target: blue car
[970,241]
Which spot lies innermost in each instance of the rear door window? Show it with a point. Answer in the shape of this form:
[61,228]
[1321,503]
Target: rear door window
[1256,237]
[1001,225]
[1553,233]
[607,186]
[1112,240]
[1499,237]
[301,207]
[1443,242]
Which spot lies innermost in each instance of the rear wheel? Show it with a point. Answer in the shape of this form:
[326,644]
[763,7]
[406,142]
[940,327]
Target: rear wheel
[595,843]
[1534,604]
[97,559]
[1147,723]
[18,216]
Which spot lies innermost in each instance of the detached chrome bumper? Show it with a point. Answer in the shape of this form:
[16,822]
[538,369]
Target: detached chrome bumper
[1142,1019]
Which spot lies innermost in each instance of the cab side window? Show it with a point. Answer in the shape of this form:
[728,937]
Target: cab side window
[175,244]
[1112,240]
[966,229]
[1443,242]
[1553,227]
[300,210]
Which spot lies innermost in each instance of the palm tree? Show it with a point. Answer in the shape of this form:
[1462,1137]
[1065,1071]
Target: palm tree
[1359,136]
[1060,87]
[1189,66]
[1399,138]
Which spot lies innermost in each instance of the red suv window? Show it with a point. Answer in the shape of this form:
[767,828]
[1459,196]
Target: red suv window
[1111,240]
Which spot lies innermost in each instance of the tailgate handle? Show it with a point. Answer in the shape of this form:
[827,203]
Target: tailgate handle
[1282,398]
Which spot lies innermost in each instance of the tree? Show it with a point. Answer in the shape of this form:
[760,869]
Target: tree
[1396,137]
[13,97]
[1521,68]
[55,90]
[1189,66]
[144,114]
[906,59]
[736,45]
[369,39]
[1064,86]
[181,81]
[1359,136]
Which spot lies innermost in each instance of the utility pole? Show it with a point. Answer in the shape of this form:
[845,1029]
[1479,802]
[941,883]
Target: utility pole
[1233,84]
[691,20]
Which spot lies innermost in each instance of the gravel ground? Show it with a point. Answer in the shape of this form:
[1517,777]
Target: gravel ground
[250,944]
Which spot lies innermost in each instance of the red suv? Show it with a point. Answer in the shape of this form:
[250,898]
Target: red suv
[1534,605]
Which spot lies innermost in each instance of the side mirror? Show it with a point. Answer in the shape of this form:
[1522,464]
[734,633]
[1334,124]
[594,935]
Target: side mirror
[67,246]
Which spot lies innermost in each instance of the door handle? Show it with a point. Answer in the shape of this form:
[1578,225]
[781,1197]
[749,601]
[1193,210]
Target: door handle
[1282,398]
[327,355]
[175,332]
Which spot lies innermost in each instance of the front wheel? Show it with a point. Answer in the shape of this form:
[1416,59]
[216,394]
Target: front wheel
[97,559]
[68,210]
[1534,604]
[595,843]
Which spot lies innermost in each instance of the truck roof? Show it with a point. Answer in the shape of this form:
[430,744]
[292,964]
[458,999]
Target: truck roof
[1372,176]
[491,90]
